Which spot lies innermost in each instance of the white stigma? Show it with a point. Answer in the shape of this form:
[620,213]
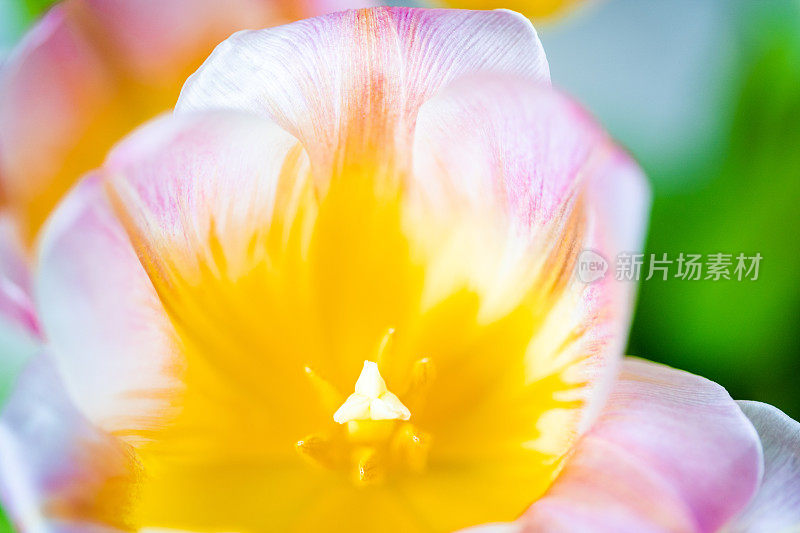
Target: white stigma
[371,400]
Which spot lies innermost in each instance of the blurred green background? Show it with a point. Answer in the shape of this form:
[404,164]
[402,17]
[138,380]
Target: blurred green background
[706,95]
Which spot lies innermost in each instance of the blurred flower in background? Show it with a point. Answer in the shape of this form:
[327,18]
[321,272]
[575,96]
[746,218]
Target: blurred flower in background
[539,10]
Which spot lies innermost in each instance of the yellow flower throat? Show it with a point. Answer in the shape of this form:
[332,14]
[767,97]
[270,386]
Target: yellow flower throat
[299,409]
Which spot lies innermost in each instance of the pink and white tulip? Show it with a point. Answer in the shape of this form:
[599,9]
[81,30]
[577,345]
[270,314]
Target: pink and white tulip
[396,186]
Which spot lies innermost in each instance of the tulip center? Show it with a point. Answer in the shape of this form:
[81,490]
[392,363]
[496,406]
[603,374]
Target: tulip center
[372,436]
[371,400]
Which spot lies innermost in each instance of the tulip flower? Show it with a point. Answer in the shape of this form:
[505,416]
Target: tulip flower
[336,290]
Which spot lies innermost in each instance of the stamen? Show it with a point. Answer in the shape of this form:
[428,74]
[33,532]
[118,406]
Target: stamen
[411,446]
[385,346]
[318,450]
[422,375]
[368,467]
[328,395]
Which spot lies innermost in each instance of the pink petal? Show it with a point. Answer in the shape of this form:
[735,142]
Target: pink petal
[178,181]
[670,452]
[776,505]
[16,306]
[197,194]
[13,259]
[618,202]
[526,146]
[57,470]
[529,150]
[112,341]
[183,180]
[349,84]
[17,309]
[506,139]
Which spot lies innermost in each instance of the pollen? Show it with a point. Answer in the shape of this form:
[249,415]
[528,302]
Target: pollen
[371,399]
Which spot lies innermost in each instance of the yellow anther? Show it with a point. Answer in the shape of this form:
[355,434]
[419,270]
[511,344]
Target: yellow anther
[368,467]
[318,450]
[371,400]
[422,375]
[423,372]
[411,445]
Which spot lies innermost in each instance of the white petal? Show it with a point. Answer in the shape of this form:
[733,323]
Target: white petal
[776,505]
[349,84]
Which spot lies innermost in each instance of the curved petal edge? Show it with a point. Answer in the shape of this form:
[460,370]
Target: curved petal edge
[670,452]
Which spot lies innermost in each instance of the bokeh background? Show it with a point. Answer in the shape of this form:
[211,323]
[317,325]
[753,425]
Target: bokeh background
[706,95]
